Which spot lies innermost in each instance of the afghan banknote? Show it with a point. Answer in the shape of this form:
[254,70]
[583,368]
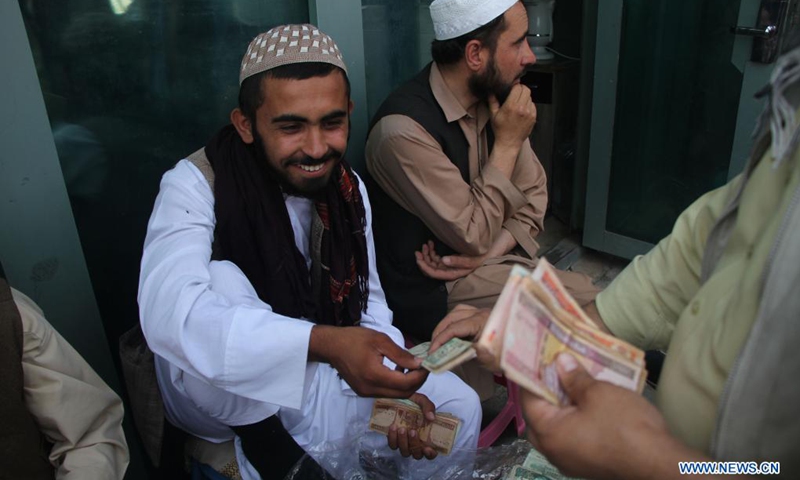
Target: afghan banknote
[440,433]
[532,323]
[535,337]
[536,462]
[493,333]
[420,350]
[454,352]
[521,473]
[545,275]
[550,291]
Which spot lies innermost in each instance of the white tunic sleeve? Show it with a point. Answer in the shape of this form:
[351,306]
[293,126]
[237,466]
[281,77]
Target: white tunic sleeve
[243,348]
[378,316]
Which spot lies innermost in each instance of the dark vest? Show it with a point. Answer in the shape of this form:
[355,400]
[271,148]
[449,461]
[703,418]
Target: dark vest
[418,302]
[23,449]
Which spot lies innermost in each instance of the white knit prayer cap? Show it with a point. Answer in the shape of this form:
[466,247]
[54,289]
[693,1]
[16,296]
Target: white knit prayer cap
[286,44]
[453,18]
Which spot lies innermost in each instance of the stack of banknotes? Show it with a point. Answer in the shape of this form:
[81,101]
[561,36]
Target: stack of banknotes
[440,433]
[445,358]
[535,319]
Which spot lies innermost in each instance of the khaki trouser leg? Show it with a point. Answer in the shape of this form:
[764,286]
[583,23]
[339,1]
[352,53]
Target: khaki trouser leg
[482,287]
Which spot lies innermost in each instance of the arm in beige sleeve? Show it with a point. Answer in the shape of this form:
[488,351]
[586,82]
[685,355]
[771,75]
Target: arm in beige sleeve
[643,304]
[73,407]
[528,221]
[412,169]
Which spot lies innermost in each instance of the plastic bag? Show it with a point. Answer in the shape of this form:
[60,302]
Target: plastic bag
[366,456]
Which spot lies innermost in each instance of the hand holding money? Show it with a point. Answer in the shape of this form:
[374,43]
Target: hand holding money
[607,431]
[453,353]
[395,415]
[535,319]
[465,322]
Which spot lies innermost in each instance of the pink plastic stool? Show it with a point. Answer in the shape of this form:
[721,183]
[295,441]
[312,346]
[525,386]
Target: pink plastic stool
[512,411]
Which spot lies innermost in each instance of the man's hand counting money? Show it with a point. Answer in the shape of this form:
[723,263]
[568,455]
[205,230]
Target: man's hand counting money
[465,322]
[602,431]
[404,420]
[408,440]
[357,353]
[535,319]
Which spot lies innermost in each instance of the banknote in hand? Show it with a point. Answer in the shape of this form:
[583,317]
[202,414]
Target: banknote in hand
[440,433]
[448,356]
[535,319]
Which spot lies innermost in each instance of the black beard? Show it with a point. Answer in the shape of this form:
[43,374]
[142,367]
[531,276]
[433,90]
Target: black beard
[316,192]
[489,83]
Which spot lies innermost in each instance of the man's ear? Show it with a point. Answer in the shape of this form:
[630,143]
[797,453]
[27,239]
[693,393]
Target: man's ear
[475,55]
[243,125]
[350,106]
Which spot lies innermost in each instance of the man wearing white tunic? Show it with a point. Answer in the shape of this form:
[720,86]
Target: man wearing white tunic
[258,291]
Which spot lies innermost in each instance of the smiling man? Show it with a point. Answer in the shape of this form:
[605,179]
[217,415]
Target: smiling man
[457,187]
[259,293]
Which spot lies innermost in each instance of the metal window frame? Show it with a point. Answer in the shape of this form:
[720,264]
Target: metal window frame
[341,19]
[604,99]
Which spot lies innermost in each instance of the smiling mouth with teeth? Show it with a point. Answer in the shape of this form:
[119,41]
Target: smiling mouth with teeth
[311,168]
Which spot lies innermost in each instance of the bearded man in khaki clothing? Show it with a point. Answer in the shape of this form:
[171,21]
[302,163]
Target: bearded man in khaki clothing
[459,195]
[720,295]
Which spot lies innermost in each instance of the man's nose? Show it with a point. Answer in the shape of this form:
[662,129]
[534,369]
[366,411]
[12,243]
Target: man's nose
[315,146]
[528,57]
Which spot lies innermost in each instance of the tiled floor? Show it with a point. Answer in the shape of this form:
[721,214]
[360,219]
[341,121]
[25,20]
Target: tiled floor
[562,248]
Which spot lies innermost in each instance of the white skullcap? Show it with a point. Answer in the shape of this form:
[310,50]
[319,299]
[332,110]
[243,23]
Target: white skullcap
[453,18]
[286,44]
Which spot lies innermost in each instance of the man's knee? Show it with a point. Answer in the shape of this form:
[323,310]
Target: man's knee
[472,405]
[225,408]
[465,404]
[469,400]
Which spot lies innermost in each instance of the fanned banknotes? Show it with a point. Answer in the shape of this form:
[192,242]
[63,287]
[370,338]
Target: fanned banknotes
[535,319]
[440,433]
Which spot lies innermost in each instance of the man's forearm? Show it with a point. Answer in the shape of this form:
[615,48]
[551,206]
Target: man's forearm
[322,343]
[593,313]
[512,124]
[504,158]
[502,244]
[358,355]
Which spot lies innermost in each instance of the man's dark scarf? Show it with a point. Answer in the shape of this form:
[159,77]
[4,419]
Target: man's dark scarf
[253,231]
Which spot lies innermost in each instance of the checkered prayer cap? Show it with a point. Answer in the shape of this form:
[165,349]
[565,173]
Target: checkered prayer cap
[453,18]
[286,44]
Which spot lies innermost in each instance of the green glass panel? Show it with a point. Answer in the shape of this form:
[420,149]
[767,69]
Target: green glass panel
[397,44]
[677,102]
[131,87]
